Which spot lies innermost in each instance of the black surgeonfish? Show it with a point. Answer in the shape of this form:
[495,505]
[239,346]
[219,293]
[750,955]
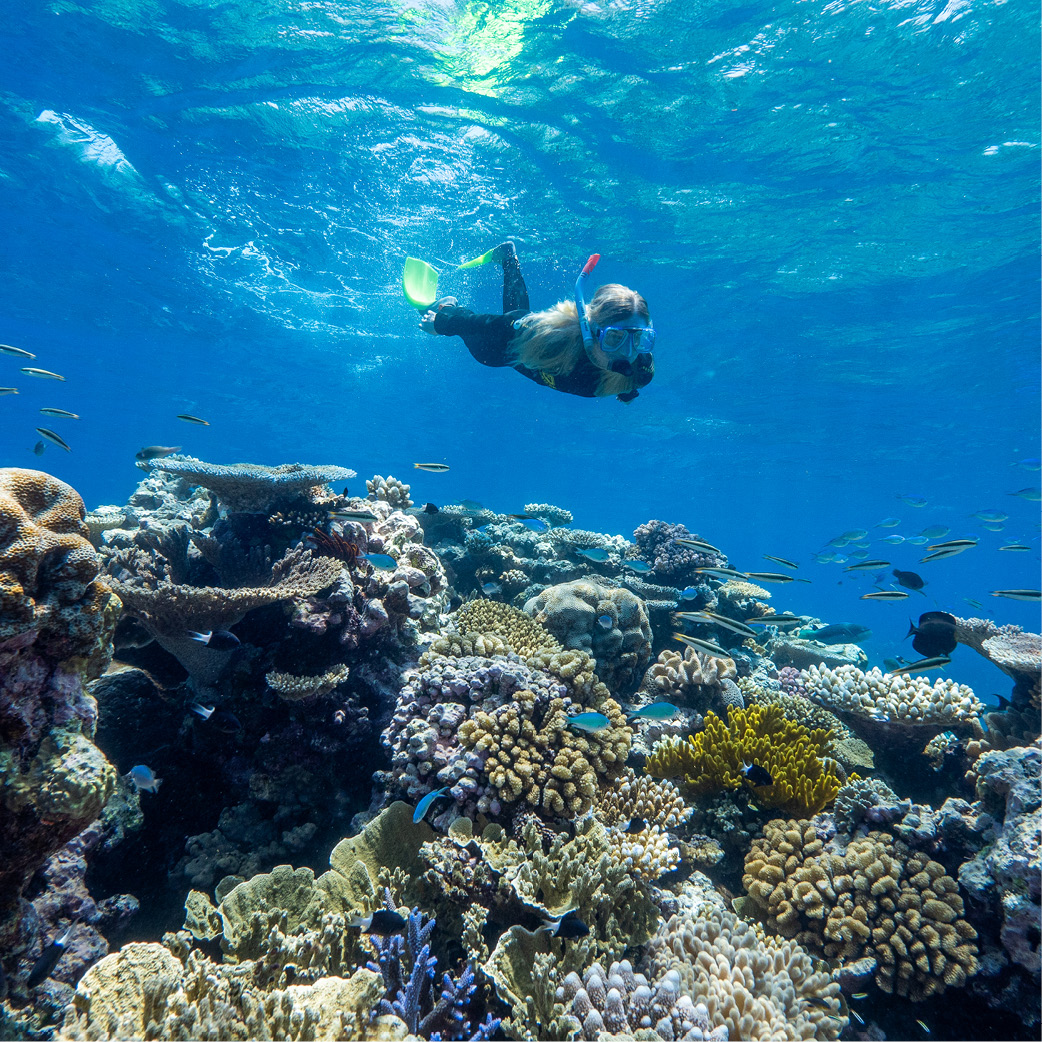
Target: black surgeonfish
[909,580]
[935,634]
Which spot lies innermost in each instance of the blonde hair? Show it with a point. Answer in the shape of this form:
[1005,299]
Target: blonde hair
[551,342]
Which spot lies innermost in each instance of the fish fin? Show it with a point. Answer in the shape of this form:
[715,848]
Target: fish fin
[203,638]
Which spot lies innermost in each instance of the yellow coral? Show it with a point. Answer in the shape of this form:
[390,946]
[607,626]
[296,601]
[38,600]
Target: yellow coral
[803,782]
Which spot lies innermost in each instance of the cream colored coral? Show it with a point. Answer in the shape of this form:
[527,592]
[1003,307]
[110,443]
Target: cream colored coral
[640,797]
[895,699]
[680,676]
[389,490]
[293,688]
[759,987]
[647,854]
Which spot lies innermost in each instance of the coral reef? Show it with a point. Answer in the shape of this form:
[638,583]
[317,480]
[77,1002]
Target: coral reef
[389,490]
[573,613]
[713,760]
[756,987]
[704,682]
[656,544]
[869,896]
[56,623]
[641,798]
[292,688]
[249,487]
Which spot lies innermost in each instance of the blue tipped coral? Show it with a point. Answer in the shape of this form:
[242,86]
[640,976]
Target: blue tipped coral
[412,997]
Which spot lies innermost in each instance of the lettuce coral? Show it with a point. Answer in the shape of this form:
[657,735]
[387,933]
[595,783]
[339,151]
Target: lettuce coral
[712,760]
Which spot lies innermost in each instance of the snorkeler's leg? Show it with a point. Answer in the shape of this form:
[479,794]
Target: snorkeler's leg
[515,292]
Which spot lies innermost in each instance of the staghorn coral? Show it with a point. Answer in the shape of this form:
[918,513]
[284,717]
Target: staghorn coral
[712,760]
[867,896]
[621,1002]
[293,688]
[642,798]
[756,986]
[571,612]
[249,487]
[389,490]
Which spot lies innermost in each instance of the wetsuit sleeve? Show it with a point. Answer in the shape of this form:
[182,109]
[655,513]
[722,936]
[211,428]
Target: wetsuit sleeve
[486,336]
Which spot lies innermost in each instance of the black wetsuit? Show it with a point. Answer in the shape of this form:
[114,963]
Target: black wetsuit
[488,337]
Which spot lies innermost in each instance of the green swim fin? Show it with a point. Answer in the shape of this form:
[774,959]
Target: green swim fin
[420,282]
[486,258]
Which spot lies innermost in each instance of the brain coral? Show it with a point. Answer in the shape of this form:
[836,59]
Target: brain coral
[712,760]
[572,612]
[49,585]
[248,486]
[871,897]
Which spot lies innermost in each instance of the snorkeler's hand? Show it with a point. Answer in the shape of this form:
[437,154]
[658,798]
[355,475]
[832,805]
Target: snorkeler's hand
[427,322]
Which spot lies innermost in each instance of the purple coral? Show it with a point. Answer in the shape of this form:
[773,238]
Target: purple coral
[791,681]
[413,998]
[656,541]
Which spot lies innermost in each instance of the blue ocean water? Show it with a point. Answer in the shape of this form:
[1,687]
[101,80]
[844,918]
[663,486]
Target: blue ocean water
[831,207]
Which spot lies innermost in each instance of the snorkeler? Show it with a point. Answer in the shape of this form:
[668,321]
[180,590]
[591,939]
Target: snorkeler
[592,351]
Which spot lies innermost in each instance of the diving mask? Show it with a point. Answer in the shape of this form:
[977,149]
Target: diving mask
[626,341]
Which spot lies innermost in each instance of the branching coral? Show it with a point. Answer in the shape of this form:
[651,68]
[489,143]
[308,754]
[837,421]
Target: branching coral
[553,516]
[249,487]
[701,681]
[389,490]
[641,798]
[712,760]
[621,1002]
[293,688]
[539,759]
[573,613]
[518,631]
[871,897]
[758,987]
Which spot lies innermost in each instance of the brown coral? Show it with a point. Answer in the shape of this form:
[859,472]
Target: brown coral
[693,679]
[543,761]
[642,798]
[49,584]
[872,897]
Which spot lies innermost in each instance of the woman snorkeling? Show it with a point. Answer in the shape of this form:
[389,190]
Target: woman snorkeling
[593,350]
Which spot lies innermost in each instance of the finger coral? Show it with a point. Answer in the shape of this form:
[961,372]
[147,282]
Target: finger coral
[249,487]
[293,688]
[573,613]
[712,760]
[518,631]
[758,987]
[642,798]
[869,896]
[389,490]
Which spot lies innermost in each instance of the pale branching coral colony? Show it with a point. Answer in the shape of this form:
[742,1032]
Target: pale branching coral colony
[543,817]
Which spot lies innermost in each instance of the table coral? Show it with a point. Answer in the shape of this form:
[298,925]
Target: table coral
[712,760]
[1016,653]
[572,613]
[758,987]
[867,896]
[249,487]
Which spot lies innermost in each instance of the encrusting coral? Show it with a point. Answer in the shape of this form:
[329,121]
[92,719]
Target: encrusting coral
[249,487]
[869,896]
[803,781]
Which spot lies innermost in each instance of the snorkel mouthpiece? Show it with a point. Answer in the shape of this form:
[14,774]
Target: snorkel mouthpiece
[580,304]
[622,366]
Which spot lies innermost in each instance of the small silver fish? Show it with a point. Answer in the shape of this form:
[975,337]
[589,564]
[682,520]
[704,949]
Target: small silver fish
[707,647]
[193,419]
[780,560]
[698,544]
[60,412]
[156,452]
[43,374]
[8,390]
[773,577]
[1014,546]
[605,622]
[953,544]
[885,595]
[144,778]
[18,352]
[53,438]
[491,589]
[922,665]
[353,515]
[432,468]
[1019,595]
[866,566]
[709,618]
